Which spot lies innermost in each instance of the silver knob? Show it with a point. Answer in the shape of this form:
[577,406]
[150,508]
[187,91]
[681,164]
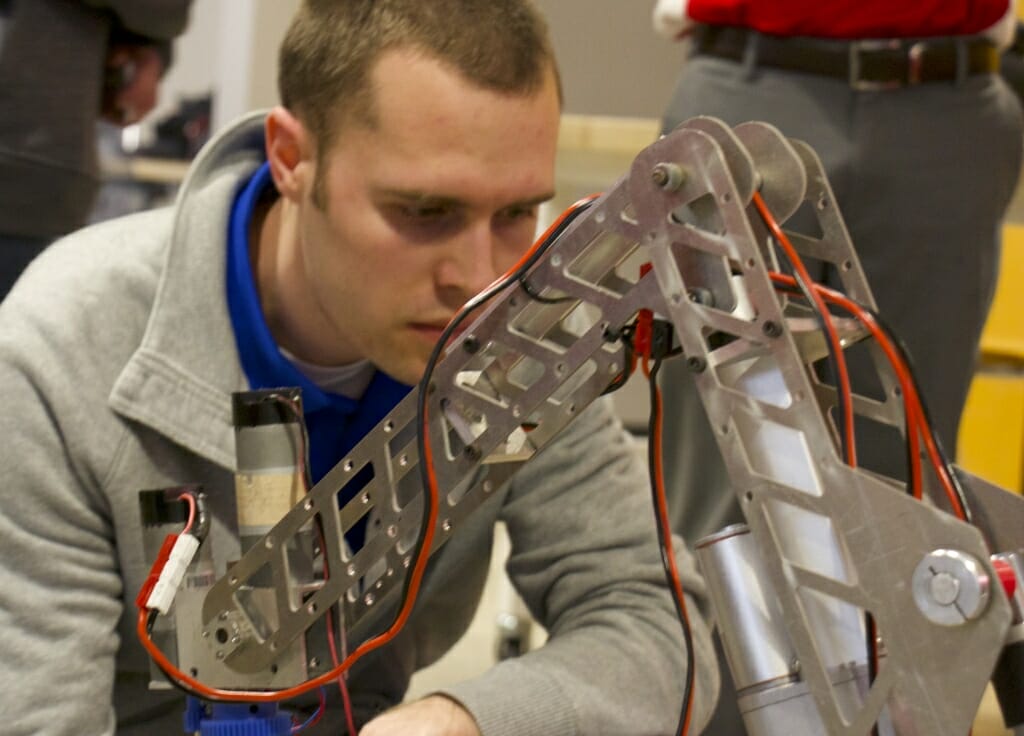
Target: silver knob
[950,587]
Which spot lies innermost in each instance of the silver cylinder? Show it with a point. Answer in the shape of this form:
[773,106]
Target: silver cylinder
[757,647]
[269,454]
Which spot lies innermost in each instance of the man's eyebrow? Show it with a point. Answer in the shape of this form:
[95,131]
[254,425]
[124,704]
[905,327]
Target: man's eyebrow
[535,201]
[417,197]
[421,198]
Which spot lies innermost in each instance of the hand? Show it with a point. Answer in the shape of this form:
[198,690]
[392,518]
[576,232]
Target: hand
[133,73]
[671,19]
[435,715]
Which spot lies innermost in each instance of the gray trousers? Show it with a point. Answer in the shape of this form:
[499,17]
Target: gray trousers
[922,176]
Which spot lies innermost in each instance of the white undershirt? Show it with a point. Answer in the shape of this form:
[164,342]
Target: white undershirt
[349,380]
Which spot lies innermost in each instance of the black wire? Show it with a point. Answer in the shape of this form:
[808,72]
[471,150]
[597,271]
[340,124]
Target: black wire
[302,455]
[628,365]
[537,297]
[909,448]
[652,422]
[870,631]
[424,388]
[901,348]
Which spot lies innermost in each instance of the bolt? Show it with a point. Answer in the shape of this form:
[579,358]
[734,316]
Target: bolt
[471,344]
[668,176]
[771,328]
[696,364]
[701,296]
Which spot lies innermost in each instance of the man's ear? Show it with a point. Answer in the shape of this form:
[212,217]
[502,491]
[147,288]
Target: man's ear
[290,153]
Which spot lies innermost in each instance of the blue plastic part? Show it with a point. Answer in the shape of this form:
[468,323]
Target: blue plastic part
[236,719]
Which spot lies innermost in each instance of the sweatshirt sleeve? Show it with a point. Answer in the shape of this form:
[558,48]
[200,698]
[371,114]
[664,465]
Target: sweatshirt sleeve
[60,586]
[586,560]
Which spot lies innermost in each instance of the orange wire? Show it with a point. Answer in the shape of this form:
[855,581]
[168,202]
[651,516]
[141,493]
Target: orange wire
[843,378]
[916,421]
[913,399]
[250,696]
[542,239]
[332,645]
[666,529]
[415,576]
[903,376]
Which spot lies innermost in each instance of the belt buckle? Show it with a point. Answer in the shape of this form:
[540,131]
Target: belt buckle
[867,45]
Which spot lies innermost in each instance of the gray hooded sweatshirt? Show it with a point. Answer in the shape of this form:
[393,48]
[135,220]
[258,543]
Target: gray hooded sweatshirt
[117,363]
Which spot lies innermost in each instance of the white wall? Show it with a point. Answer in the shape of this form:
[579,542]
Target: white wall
[611,60]
[229,49]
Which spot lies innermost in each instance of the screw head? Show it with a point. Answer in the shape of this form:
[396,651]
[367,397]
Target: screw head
[668,176]
[771,328]
[944,589]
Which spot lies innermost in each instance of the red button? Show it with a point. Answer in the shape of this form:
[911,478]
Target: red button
[1006,576]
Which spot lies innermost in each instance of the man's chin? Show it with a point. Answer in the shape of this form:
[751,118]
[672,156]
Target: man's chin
[407,369]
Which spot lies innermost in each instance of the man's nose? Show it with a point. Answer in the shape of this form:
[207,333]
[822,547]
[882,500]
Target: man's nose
[468,266]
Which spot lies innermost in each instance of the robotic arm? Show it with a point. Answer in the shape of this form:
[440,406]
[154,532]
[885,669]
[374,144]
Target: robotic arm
[828,545]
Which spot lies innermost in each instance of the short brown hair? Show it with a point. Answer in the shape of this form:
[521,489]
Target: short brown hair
[331,46]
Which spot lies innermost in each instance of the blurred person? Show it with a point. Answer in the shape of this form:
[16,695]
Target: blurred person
[325,244]
[64,65]
[921,140]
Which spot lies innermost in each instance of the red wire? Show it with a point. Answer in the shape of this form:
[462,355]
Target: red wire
[320,708]
[191,501]
[342,684]
[415,576]
[342,678]
[251,696]
[845,391]
[912,399]
[916,422]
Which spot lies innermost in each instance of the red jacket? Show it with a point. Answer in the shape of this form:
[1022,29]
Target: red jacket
[852,18]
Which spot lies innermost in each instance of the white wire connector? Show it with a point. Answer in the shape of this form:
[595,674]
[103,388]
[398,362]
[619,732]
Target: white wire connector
[172,574]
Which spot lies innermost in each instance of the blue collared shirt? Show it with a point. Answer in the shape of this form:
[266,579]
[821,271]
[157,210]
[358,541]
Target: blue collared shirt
[335,423]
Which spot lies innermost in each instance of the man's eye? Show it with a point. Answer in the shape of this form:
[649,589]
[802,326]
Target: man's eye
[519,213]
[425,212]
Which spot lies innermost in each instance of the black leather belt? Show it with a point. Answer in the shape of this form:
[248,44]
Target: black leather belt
[866,64]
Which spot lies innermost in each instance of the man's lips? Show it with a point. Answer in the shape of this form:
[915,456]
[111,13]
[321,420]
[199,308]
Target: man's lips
[434,330]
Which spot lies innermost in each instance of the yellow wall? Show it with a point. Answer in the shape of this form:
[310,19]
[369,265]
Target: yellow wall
[991,440]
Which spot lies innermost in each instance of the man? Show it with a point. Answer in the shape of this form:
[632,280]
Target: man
[64,65]
[401,176]
[921,141]
[894,103]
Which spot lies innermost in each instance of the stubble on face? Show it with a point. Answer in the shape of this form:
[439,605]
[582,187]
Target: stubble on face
[405,203]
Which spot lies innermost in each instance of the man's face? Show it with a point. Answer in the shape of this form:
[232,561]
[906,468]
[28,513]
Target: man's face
[423,210]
